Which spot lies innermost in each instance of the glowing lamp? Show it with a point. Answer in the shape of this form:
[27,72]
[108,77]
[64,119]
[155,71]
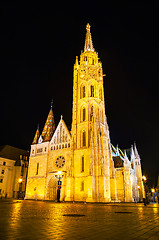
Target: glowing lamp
[59,172]
[144,178]
[152,190]
[138,187]
[20,180]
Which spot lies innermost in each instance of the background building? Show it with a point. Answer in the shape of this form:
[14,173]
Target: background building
[13,171]
[83,161]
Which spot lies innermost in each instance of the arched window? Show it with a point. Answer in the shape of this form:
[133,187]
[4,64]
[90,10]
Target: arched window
[82,164]
[100,94]
[83,138]
[91,114]
[82,92]
[84,114]
[37,168]
[92,91]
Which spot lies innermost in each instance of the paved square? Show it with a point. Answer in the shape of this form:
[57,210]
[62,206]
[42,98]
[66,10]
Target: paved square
[25,219]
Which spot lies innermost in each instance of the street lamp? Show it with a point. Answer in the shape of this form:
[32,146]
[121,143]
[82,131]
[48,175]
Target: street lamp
[20,180]
[144,183]
[152,190]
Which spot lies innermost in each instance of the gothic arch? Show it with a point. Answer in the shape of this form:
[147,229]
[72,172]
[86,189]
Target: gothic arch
[82,91]
[83,113]
[83,138]
[52,188]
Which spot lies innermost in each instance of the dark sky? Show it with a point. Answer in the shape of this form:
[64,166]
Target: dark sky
[39,45]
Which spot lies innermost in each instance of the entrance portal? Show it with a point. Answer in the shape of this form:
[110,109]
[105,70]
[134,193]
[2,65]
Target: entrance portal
[52,189]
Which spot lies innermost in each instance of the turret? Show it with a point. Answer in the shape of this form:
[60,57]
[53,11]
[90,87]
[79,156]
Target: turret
[37,135]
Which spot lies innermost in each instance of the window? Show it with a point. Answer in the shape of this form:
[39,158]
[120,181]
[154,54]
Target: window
[2,171]
[45,149]
[33,151]
[83,138]
[92,91]
[82,164]
[1,180]
[83,92]
[91,114]
[21,157]
[84,114]
[82,186]
[39,150]
[100,94]
[37,168]
[4,163]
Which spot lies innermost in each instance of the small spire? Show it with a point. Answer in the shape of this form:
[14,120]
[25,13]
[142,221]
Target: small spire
[88,42]
[135,151]
[61,117]
[37,135]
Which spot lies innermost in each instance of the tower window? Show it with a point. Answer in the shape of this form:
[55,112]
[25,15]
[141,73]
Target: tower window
[82,164]
[37,169]
[83,91]
[4,163]
[91,114]
[83,138]
[84,114]
[92,91]
[100,94]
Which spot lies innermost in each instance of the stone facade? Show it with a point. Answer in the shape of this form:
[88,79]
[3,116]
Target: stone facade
[13,172]
[91,169]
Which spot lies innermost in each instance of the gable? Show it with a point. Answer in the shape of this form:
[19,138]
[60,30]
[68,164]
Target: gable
[61,134]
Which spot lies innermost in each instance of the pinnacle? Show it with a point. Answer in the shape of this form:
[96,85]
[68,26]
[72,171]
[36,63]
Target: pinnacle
[88,42]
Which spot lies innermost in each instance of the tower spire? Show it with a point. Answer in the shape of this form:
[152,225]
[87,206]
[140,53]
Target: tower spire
[49,127]
[88,42]
[37,135]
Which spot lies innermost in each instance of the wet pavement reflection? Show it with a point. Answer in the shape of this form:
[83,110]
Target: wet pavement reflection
[26,219]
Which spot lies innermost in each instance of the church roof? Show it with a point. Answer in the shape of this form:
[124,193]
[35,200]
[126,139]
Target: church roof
[49,127]
[36,137]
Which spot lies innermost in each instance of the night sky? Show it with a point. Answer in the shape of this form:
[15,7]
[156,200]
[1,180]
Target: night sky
[39,46]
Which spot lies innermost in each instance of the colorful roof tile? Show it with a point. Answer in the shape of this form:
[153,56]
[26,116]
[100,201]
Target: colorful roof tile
[36,137]
[49,127]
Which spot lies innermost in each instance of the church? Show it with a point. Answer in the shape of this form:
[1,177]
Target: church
[82,164]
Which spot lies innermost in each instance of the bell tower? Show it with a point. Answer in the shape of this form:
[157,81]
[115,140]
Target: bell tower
[90,132]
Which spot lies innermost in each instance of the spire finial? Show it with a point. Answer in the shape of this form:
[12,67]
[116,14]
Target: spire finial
[51,103]
[88,27]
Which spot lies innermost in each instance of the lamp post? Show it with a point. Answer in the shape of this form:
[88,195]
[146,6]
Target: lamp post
[59,185]
[144,183]
[20,180]
[153,194]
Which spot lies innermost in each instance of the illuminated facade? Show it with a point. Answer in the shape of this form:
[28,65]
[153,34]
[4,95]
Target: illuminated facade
[13,171]
[91,169]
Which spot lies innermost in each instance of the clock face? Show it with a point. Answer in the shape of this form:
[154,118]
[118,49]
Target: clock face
[60,162]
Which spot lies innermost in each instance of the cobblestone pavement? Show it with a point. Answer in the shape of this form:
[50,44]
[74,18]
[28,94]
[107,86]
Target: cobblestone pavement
[25,219]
